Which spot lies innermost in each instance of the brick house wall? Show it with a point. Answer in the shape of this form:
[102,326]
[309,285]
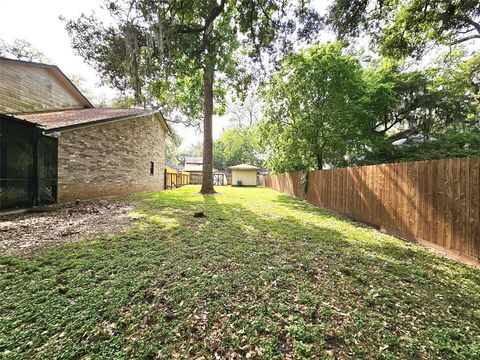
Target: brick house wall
[111,159]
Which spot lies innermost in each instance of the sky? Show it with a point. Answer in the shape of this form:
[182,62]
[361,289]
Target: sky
[37,21]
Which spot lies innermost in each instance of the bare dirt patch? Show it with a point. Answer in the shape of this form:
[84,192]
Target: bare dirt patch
[64,223]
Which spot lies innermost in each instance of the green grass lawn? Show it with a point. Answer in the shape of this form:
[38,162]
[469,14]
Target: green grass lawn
[262,276]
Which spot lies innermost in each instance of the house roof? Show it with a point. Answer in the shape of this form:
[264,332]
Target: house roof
[243,167]
[63,119]
[68,119]
[193,160]
[55,70]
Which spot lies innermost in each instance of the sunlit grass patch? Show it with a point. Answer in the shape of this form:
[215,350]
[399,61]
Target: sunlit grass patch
[261,276]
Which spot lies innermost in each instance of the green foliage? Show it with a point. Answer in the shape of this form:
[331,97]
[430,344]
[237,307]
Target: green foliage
[22,50]
[172,148]
[405,28]
[159,50]
[420,102]
[315,110]
[262,276]
[364,120]
[439,104]
[195,150]
[123,101]
[236,146]
[451,144]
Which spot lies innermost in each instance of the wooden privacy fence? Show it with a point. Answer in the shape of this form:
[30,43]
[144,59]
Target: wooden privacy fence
[435,201]
[174,179]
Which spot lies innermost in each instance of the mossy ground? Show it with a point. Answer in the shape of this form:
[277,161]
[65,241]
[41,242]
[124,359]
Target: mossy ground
[262,276]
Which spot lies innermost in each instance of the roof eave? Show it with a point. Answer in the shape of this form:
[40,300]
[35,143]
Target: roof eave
[256,168]
[22,121]
[163,121]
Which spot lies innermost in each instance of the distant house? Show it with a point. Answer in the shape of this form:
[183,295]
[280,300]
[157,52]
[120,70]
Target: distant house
[56,146]
[244,175]
[194,166]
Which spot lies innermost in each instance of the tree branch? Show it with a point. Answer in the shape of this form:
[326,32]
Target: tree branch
[471,22]
[466,38]
[386,127]
[193,29]
[265,13]
[402,134]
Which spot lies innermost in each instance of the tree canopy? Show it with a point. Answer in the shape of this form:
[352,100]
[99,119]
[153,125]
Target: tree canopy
[314,109]
[236,146]
[22,50]
[324,107]
[182,53]
[403,28]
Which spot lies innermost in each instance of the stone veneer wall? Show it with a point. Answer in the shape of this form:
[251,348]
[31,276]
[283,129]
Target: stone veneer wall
[111,159]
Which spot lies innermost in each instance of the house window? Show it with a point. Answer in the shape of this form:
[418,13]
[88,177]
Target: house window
[152,168]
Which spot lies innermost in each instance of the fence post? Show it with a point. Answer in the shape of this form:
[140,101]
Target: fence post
[164,178]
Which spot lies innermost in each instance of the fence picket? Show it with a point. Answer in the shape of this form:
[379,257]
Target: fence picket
[437,201]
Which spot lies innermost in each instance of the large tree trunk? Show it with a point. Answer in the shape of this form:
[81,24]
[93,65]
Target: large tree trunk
[208,75]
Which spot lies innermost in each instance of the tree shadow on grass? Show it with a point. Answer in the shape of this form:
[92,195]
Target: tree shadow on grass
[303,205]
[312,252]
[236,280]
[389,248]
[365,245]
[94,292]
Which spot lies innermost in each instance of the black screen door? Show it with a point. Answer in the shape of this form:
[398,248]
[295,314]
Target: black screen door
[47,170]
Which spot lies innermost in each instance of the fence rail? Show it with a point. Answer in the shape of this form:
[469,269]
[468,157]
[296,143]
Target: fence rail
[435,201]
[175,179]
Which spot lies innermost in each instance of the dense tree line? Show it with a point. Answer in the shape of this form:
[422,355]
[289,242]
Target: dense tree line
[325,107]
[183,55]
[322,104]
[237,145]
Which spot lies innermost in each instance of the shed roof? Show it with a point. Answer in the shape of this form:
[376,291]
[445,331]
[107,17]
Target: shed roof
[243,167]
[68,119]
